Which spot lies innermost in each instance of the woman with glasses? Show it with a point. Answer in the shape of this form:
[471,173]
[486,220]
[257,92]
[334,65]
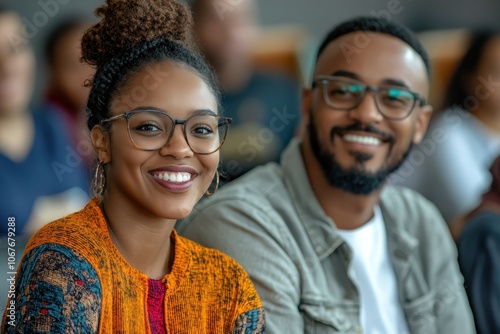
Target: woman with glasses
[118,266]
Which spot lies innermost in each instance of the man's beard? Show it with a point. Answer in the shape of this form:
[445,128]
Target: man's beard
[352,180]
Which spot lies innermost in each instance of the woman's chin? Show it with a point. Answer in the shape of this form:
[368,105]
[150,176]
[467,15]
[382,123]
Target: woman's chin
[177,214]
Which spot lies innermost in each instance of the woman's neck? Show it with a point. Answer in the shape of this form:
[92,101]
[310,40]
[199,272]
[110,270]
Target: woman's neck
[142,240]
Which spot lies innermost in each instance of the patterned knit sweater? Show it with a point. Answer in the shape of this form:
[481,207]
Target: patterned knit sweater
[72,279]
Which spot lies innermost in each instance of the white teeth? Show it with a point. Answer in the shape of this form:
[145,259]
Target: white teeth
[372,141]
[173,177]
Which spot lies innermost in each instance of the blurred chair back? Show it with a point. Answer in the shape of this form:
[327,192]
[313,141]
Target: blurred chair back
[288,49]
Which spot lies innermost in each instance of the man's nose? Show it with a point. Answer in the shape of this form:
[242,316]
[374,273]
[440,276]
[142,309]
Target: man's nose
[367,111]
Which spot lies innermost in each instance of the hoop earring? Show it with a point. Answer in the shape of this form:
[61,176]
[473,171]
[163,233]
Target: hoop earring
[208,193]
[99,180]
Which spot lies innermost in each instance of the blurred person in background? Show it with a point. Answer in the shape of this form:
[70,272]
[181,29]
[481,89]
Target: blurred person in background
[66,90]
[41,176]
[450,166]
[478,236]
[264,105]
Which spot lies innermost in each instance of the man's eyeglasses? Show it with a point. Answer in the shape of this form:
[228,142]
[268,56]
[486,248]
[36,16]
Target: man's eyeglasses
[395,103]
[150,130]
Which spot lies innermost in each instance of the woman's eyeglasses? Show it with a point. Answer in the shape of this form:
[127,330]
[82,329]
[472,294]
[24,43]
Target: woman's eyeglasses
[150,130]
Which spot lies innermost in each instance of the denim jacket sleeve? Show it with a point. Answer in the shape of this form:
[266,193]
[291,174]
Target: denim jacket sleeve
[235,226]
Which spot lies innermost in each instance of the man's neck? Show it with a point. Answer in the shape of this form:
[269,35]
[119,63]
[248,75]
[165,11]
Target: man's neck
[348,211]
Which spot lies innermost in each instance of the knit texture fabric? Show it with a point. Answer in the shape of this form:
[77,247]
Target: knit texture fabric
[205,292]
[156,309]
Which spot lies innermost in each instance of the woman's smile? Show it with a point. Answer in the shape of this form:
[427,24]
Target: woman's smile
[174,178]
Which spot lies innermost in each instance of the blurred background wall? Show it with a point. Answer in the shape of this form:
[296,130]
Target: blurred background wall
[316,16]
[320,15]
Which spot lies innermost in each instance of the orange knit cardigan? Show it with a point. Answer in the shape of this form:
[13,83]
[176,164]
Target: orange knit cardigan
[206,291]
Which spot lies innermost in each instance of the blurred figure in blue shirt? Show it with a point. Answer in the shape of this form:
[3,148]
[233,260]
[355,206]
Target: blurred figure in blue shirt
[41,176]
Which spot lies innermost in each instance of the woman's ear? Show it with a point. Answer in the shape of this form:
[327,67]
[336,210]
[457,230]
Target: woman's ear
[101,142]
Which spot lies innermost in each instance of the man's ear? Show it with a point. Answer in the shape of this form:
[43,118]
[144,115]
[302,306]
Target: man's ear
[307,97]
[101,142]
[423,119]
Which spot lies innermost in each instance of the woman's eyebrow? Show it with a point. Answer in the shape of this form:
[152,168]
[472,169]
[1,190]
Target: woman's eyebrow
[202,112]
[144,108]
[195,112]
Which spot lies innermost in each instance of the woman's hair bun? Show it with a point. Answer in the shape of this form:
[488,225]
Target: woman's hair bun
[126,23]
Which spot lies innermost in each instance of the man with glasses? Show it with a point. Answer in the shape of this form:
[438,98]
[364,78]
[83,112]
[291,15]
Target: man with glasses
[329,248]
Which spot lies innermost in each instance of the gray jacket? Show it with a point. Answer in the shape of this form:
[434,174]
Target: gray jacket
[270,221]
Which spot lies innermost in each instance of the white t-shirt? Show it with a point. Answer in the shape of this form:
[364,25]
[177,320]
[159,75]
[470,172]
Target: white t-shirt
[371,271]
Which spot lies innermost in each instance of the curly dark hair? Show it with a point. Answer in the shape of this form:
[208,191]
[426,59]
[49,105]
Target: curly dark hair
[131,35]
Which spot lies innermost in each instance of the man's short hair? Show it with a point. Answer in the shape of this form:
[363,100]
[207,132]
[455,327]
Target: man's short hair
[379,25]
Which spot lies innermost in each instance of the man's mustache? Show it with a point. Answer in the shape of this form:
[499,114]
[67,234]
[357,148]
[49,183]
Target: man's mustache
[339,130]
